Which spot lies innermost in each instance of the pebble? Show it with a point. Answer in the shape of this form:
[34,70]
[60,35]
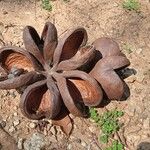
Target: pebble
[32,125]
[138,51]
[16,122]
[11,129]
[35,142]
[15,114]
[69,146]
[45,132]
[143,146]
[3,123]
[83,144]
[53,130]
[20,143]
[78,140]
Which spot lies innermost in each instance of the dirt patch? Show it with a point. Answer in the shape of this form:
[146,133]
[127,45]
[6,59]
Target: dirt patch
[100,18]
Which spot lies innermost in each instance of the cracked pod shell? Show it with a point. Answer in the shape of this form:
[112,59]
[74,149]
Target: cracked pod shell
[40,100]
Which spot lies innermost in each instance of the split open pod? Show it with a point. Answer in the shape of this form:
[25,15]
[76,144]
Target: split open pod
[59,85]
[105,70]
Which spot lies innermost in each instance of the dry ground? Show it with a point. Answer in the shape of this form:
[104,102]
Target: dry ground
[100,18]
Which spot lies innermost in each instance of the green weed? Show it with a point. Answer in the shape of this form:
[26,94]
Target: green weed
[46,4]
[116,145]
[109,124]
[131,5]
[128,48]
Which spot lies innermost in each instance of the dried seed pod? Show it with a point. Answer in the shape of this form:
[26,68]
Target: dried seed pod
[104,70]
[46,68]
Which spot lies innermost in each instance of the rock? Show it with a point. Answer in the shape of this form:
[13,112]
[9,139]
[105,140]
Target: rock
[2,123]
[143,146]
[138,51]
[83,144]
[32,125]
[20,143]
[146,123]
[16,122]
[11,129]
[45,132]
[78,140]
[53,130]
[15,114]
[35,142]
[69,146]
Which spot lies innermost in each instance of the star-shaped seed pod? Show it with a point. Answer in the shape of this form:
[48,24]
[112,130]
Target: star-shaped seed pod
[105,70]
[51,71]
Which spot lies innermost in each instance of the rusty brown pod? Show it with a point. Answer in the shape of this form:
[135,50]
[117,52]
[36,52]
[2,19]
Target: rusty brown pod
[56,67]
[105,69]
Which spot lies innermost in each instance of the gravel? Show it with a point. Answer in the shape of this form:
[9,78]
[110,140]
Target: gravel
[35,142]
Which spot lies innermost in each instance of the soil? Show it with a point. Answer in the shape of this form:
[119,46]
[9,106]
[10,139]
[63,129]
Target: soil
[100,18]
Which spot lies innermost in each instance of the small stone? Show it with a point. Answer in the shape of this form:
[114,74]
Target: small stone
[78,140]
[45,132]
[83,144]
[3,123]
[138,51]
[15,114]
[146,123]
[53,130]
[32,125]
[11,129]
[143,146]
[20,143]
[69,146]
[35,142]
[15,107]
[16,122]
[10,76]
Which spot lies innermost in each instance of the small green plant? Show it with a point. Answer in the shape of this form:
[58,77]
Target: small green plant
[131,5]
[116,145]
[109,124]
[46,4]
[128,48]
